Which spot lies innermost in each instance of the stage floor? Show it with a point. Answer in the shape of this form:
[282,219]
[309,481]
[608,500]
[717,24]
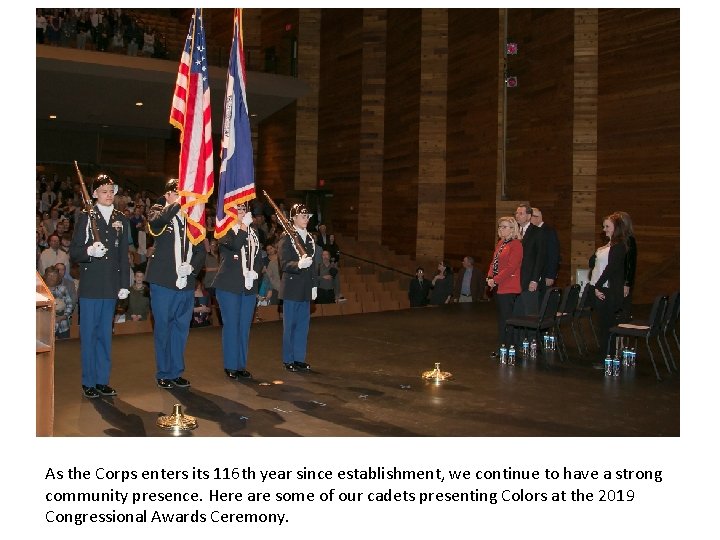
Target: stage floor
[366,381]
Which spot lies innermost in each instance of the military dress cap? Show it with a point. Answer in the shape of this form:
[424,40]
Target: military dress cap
[299,208]
[104,180]
[171,185]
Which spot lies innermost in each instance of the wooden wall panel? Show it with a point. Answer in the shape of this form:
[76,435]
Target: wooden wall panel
[472,135]
[306,126]
[339,114]
[433,134]
[372,124]
[584,150]
[402,104]
[275,165]
[639,137]
[540,118]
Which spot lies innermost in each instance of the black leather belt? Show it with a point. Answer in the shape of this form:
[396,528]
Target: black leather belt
[466,295]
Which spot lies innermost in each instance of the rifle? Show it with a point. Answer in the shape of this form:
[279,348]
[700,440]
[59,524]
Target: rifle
[87,203]
[289,229]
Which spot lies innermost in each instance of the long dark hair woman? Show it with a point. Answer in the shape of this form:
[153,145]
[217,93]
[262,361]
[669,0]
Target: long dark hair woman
[503,276]
[630,266]
[607,277]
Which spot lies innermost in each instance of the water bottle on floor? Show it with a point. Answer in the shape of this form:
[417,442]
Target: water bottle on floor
[503,354]
[608,366]
[533,349]
[632,357]
[546,341]
[525,347]
[616,367]
[551,340]
[511,355]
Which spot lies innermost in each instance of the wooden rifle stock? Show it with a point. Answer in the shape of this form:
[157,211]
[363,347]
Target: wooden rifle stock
[287,226]
[87,203]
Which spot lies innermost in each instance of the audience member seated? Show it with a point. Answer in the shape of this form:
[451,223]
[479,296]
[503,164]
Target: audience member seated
[328,284]
[138,301]
[202,310]
[272,271]
[68,282]
[52,255]
[63,302]
[333,249]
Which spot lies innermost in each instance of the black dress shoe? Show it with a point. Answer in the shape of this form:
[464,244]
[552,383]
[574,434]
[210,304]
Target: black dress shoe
[231,373]
[105,390]
[243,374]
[302,366]
[164,383]
[291,367]
[90,393]
[180,382]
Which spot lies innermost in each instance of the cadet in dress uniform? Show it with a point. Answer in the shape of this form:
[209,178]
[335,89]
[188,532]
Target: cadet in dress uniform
[236,288]
[300,281]
[104,270]
[171,273]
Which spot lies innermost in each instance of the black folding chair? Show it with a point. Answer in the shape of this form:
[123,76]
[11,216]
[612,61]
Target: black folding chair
[546,320]
[669,323]
[584,311]
[647,329]
[568,305]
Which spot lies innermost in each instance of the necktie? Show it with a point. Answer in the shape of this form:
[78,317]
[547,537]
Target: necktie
[522,232]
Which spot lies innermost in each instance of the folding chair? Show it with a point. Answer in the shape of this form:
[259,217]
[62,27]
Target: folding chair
[546,320]
[568,305]
[672,314]
[647,329]
[584,311]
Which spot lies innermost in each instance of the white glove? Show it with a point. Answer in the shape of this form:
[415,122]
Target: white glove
[123,294]
[247,219]
[236,228]
[185,269]
[181,282]
[304,262]
[314,293]
[97,250]
[250,278]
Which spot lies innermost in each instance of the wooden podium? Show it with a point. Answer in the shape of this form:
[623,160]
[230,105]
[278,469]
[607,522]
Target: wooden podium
[44,359]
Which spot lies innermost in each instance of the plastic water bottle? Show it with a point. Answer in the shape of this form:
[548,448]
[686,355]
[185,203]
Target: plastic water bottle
[525,347]
[616,367]
[511,355]
[626,357]
[608,366]
[533,349]
[551,340]
[632,357]
[503,354]
[546,341]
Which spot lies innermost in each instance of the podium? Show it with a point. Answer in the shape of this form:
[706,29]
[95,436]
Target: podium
[44,359]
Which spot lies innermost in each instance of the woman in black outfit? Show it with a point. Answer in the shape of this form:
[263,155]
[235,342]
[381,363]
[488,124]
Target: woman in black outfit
[630,265]
[608,276]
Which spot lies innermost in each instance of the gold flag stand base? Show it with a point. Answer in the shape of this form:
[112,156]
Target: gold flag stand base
[177,420]
[435,375]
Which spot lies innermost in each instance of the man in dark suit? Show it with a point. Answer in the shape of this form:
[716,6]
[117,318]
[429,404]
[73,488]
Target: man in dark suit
[552,251]
[171,273]
[104,270]
[469,284]
[533,263]
[300,283]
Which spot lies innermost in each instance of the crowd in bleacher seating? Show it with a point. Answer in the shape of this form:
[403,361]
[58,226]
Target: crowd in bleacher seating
[101,29]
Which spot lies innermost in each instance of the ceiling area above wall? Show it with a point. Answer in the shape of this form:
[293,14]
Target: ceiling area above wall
[99,90]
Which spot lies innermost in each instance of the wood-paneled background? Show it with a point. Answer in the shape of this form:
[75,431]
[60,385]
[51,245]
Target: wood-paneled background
[592,127]
[404,125]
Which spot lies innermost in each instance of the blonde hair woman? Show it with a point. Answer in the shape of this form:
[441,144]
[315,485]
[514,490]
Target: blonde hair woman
[503,277]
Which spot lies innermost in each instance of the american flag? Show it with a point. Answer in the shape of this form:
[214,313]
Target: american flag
[190,113]
[237,183]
